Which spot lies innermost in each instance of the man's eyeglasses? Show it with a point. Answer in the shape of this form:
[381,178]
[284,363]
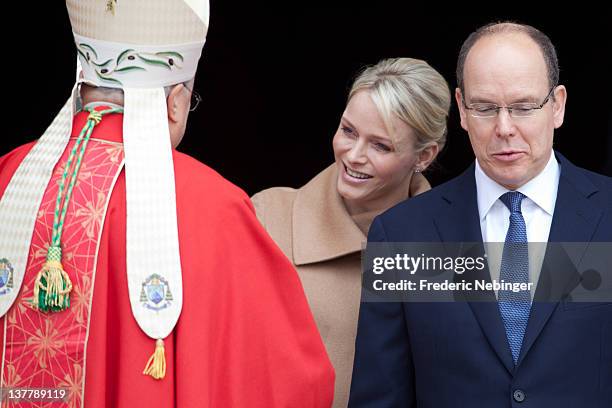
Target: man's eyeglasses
[195,99]
[515,110]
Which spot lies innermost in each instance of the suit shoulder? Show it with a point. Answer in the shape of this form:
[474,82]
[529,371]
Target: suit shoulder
[589,182]
[604,189]
[422,205]
[414,218]
[601,181]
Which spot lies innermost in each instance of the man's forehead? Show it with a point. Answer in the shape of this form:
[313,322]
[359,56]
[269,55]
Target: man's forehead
[507,60]
[526,92]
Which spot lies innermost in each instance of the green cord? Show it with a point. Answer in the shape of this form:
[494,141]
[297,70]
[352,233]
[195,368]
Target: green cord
[82,140]
[52,286]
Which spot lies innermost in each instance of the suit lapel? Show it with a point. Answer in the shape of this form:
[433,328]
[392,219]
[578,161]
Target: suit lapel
[575,220]
[460,222]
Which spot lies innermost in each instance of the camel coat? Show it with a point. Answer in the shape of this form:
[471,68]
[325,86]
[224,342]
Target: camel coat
[313,228]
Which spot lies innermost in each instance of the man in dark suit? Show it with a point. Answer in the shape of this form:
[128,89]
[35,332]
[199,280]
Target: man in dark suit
[511,351]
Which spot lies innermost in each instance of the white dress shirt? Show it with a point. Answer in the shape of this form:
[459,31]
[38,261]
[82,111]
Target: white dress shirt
[537,208]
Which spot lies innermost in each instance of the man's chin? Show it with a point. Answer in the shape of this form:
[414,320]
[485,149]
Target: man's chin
[511,181]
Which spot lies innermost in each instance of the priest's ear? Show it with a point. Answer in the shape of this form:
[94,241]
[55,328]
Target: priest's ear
[178,110]
[174,103]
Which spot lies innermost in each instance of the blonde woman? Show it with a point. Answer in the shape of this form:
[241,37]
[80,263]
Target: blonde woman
[393,127]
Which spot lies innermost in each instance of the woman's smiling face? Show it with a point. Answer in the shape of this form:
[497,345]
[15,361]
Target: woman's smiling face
[374,167]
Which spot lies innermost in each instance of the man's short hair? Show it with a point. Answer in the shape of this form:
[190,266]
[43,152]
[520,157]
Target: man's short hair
[541,39]
[116,94]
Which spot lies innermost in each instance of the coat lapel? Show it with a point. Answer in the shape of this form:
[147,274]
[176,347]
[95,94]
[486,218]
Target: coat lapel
[460,222]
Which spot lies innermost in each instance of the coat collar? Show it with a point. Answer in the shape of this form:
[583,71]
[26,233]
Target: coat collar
[322,227]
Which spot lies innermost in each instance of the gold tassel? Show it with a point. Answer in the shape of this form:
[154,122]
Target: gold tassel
[55,285]
[156,366]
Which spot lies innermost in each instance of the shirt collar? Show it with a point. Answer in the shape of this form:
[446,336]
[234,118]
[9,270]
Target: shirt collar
[94,105]
[542,189]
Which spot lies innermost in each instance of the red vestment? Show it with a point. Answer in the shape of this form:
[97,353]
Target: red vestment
[245,337]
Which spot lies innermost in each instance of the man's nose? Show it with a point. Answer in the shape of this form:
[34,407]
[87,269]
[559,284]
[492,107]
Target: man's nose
[504,126]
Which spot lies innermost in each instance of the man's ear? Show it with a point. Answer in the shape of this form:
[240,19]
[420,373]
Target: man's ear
[174,113]
[558,104]
[459,100]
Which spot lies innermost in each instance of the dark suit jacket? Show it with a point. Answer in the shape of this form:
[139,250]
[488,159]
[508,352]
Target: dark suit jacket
[456,354]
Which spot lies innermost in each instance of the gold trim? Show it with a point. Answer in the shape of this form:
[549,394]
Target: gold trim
[101,141]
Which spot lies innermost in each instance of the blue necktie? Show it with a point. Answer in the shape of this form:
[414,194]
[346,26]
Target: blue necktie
[515,306]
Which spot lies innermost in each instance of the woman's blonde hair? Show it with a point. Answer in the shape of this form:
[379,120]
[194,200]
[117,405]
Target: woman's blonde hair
[412,91]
